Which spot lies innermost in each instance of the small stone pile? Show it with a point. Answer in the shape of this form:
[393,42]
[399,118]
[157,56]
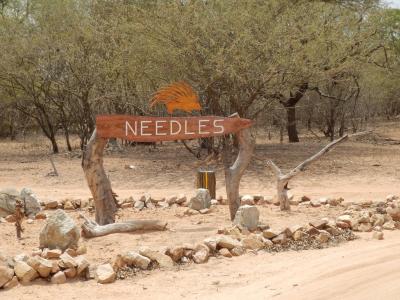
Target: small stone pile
[52,265]
[234,241]
[147,201]
[370,216]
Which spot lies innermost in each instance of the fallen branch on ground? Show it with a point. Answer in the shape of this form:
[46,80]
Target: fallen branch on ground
[92,229]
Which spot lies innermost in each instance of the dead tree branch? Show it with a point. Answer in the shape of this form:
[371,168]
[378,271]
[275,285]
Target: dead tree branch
[91,229]
[283,179]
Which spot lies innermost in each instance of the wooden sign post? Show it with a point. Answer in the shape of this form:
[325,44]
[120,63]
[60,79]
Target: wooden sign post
[154,129]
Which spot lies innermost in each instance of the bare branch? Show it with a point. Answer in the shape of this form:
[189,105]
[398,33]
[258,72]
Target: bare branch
[275,168]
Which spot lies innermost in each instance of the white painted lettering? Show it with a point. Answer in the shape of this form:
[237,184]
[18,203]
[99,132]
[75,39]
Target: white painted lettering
[129,127]
[158,126]
[221,127]
[201,125]
[171,128]
[186,128]
[143,126]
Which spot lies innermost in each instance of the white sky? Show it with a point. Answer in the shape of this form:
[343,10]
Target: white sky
[394,3]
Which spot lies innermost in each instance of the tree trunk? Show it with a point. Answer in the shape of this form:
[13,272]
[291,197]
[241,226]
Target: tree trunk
[66,135]
[54,143]
[291,124]
[234,173]
[99,184]
[290,105]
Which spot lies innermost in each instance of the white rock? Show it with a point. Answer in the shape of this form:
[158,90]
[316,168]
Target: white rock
[139,204]
[247,200]
[105,274]
[247,216]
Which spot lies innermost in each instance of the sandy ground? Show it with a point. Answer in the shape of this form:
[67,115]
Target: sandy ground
[355,170]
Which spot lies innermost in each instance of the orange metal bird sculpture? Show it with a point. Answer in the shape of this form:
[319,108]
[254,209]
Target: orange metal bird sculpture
[178,95]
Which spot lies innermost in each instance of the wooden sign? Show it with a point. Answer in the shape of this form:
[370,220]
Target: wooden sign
[154,129]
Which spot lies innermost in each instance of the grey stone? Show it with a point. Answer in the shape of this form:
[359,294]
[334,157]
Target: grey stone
[32,203]
[201,200]
[59,232]
[139,204]
[247,216]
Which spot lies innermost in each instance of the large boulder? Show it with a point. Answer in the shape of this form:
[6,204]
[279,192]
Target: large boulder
[247,216]
[201,201]
[32,203]
[8,198]
[60,232]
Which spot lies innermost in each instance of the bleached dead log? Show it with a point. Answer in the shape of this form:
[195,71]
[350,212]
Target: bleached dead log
[282,180]
[99,184]
[92,229]
[234,173]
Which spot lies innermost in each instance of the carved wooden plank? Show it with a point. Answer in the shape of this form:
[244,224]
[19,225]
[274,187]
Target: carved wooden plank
[154,129]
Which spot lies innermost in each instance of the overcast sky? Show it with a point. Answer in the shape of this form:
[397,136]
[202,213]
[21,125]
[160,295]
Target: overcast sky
[394,3]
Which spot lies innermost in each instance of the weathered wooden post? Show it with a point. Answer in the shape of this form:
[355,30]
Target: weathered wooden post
[206,179]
